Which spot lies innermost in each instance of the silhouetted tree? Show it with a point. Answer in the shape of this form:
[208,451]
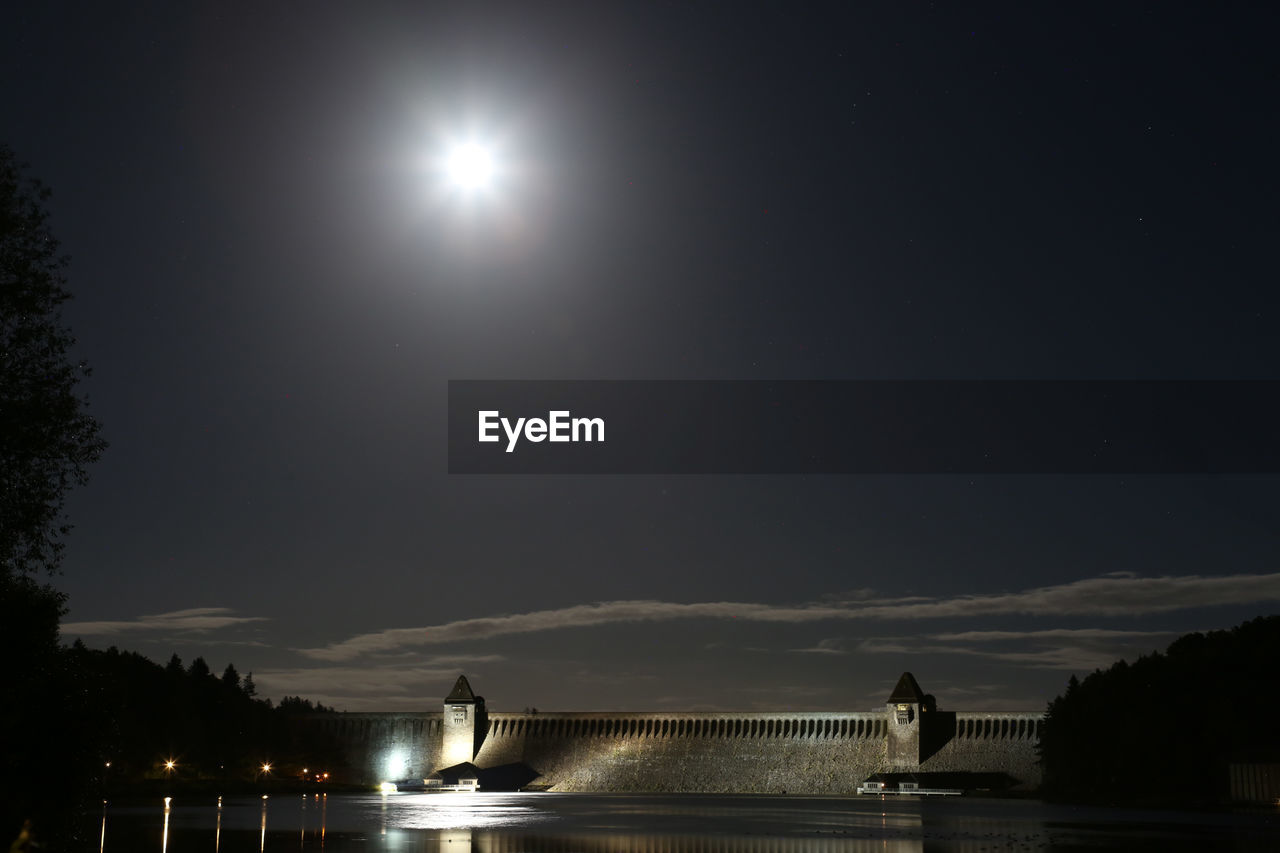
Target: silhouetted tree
[1165,728]
[230,677]
[298,705]
[47,440]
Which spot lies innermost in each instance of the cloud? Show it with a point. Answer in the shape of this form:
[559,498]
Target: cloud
[625,677]
[1053,634]
[1073,649]
[829,646]
[1072,658]
[369,688]
[577,616]
[805,690]
[1118,594]
[196,619]
[975,690]
[859,594]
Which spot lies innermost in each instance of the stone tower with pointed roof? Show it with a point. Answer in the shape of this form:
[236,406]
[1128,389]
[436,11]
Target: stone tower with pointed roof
[909,709]
[464,721]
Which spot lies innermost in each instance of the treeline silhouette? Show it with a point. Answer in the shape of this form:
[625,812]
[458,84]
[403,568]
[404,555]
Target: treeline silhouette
[1164,729]
[66,711]
[183,724]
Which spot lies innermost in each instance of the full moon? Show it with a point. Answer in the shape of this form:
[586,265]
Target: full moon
[470,167]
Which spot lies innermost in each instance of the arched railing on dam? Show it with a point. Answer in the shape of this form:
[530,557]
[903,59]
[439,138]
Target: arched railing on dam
[976,726]
[660,726]
[364,725]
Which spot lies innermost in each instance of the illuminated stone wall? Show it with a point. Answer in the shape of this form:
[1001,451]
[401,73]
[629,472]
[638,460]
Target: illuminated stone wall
[818,753]
[381,747]
[812,753]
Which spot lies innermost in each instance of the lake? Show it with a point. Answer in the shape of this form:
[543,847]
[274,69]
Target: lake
[652,823]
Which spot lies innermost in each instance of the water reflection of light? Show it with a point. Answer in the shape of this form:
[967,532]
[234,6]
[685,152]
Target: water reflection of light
[262,839]
[457,810]
[102,842]
[164,838]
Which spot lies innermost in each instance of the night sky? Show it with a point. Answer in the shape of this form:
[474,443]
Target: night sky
[274,282]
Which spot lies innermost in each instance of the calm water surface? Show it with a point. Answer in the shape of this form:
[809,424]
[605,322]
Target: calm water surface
[510,823]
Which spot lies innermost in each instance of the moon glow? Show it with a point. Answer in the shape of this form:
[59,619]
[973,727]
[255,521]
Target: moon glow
[470,167]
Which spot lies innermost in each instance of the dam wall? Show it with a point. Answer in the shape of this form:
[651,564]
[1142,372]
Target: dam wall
[725,753]
[773,752]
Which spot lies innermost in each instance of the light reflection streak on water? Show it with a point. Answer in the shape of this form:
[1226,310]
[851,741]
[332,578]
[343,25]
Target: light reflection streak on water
[102,842]
[673,824]
[515,842]
[262,839]
[457,810]
[164,838]
[764,812]
[217,830]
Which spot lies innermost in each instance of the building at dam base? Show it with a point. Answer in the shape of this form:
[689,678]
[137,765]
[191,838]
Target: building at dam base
[695,752]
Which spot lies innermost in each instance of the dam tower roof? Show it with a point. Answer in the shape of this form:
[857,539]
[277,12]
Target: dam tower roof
[461,691]
[907,690]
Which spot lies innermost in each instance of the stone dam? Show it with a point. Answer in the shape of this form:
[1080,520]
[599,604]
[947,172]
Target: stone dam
[707,752]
